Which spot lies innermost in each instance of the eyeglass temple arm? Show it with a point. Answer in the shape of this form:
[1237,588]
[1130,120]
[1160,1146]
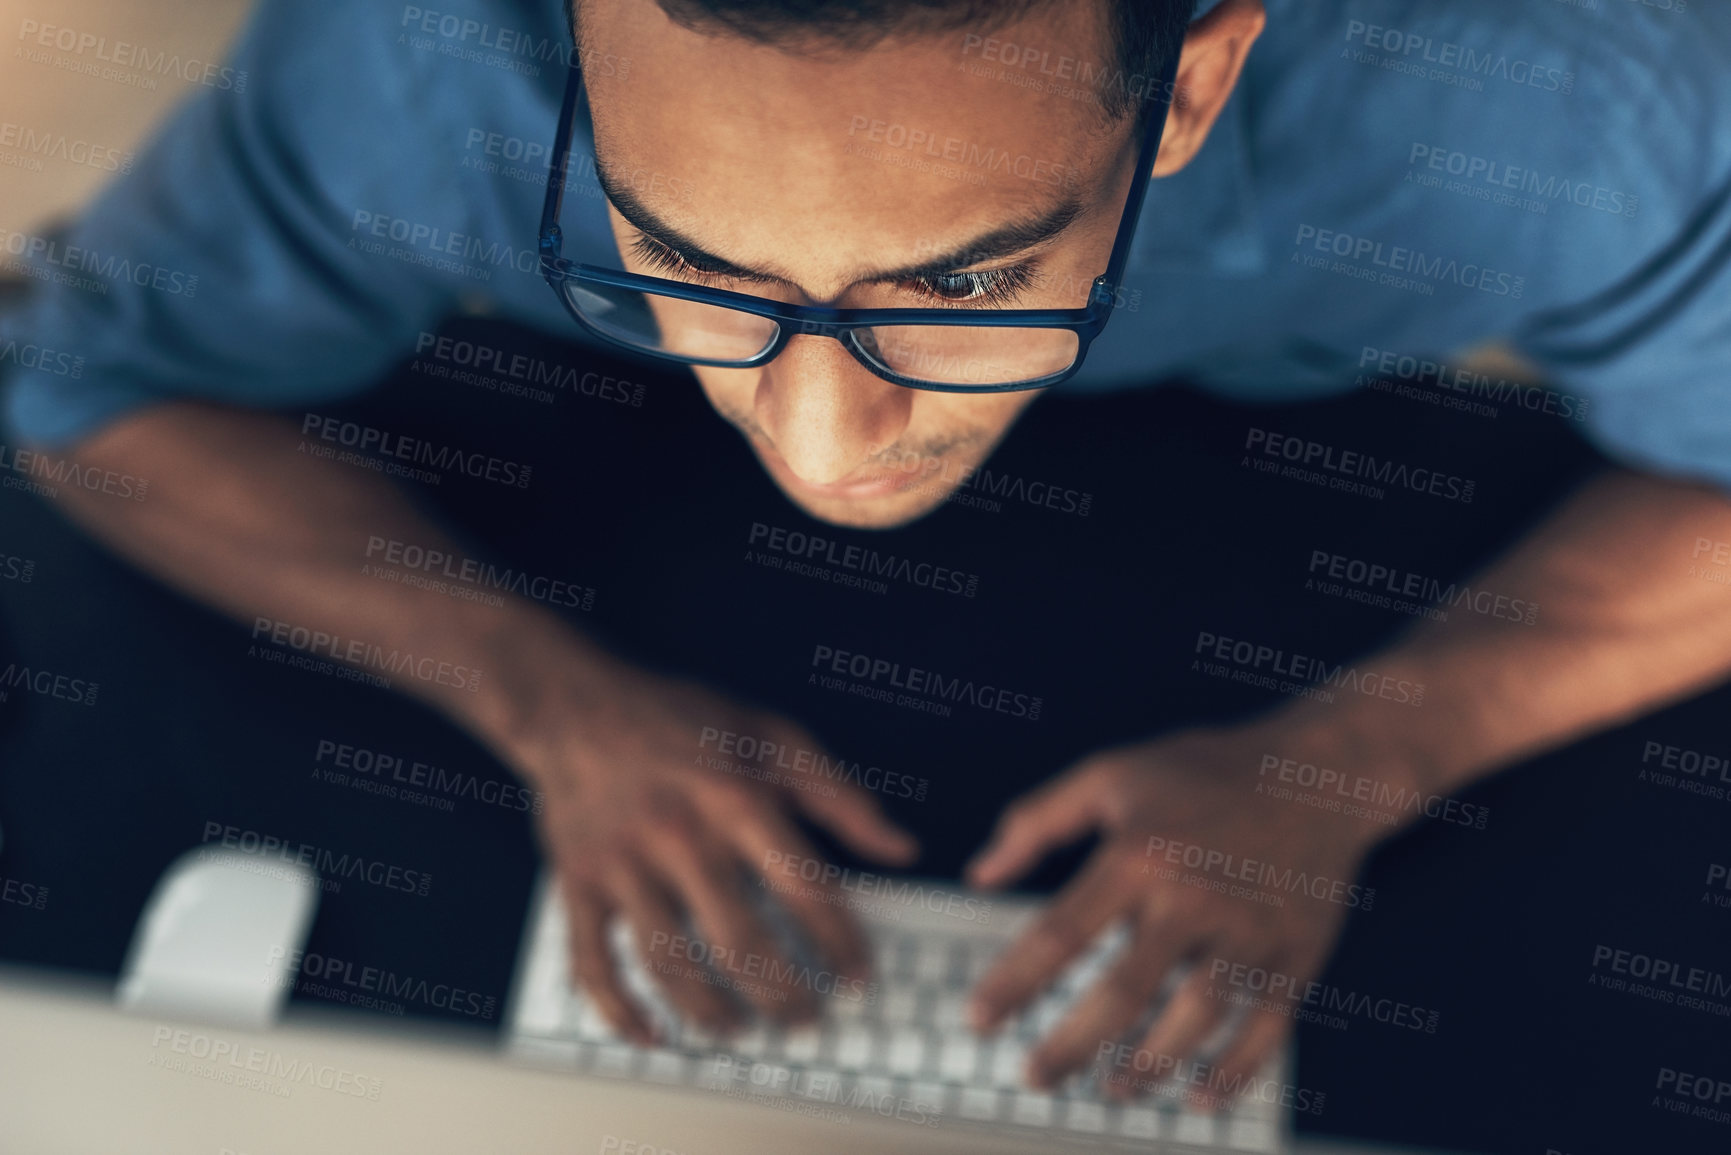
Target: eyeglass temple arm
[1141,177]
[551,238]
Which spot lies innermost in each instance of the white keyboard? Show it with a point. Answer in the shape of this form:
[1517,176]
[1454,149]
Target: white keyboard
[907,1053]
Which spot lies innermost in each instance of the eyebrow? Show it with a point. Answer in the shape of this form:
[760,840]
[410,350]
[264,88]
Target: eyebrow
[1003,241]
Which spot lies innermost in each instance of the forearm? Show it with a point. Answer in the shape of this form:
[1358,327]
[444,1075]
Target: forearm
[239,519]
[1625,624]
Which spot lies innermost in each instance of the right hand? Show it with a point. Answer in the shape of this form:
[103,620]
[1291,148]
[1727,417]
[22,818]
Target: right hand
[638,826]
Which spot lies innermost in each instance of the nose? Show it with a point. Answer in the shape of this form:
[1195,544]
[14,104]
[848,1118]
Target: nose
[825,411]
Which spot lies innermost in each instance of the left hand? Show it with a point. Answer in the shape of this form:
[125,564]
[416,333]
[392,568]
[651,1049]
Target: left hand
[1197,791]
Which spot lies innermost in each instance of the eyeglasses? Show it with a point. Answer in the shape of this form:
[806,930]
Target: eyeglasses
[947,350]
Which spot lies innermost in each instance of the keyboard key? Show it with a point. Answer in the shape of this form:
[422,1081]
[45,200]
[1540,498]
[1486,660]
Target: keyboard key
[552,1052]
[1081,1115]
[615,1060]
[1009,1063]
[899,1005]
[1192,1127]
[929,1097]
[978,1103]
[959,1058]
[670,1067]
[1032,1109]
[853,1050]
[1253,1135]
[872,1091]
[590,1024]
[949,1013]
[754,1041]
[931,961]
[905,1051]
[1139,1123]
[802,1045]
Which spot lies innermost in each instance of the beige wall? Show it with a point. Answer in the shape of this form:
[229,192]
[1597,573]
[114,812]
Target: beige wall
[49,101]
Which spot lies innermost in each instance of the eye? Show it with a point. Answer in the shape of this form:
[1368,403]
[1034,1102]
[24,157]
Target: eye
[994,287]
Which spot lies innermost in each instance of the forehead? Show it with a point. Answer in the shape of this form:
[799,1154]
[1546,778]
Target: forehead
[761,152]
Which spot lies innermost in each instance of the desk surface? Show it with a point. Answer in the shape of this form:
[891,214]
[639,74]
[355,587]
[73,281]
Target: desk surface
[77,1076]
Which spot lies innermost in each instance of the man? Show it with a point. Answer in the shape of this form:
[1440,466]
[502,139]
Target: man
[1340,193]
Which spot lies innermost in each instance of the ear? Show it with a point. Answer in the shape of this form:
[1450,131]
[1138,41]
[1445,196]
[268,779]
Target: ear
[1214,53]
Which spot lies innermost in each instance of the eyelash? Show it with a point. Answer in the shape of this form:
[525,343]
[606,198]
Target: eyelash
[992,288]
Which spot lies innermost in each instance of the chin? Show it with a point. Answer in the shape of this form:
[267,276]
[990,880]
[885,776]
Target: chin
[890,511]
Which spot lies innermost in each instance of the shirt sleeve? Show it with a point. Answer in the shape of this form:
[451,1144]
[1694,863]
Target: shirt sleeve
[224,266]
[1652,353]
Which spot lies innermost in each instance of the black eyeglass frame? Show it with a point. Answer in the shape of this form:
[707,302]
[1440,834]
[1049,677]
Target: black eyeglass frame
[1087,322]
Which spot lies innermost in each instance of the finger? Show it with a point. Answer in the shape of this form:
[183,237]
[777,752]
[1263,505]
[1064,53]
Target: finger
[1192,1015]
[659,930]
[743,948]
[1062,931]
[766,839]
[586,919]
[856,819]
[1263,1031]
[1057,813]
[1108,1008]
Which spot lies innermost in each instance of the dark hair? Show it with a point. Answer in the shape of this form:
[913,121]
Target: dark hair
[1143,33]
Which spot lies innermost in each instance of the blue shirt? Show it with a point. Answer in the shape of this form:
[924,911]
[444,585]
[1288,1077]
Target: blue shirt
[1394,181]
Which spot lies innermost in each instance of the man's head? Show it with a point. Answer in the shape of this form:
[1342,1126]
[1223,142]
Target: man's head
[886,153]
